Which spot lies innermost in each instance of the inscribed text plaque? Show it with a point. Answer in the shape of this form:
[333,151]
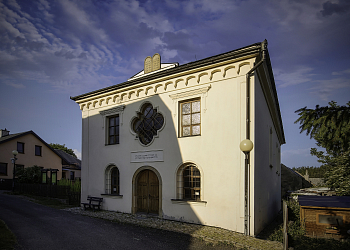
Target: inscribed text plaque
[147,156]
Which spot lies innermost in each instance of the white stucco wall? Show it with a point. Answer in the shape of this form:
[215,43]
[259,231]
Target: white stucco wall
[215,152]
[266,193]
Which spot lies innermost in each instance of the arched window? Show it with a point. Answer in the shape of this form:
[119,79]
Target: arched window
[147,123]
[189,183]
[112,180]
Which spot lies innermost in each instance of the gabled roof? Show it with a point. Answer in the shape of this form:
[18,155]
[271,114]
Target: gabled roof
[18,135]
[238,54]
[253,49]
[69,159]
[324,201]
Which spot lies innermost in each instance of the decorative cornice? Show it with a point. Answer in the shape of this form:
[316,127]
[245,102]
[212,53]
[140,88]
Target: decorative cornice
[190,93]
[119,108]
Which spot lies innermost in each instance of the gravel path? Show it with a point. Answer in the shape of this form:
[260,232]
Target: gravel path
[211,235]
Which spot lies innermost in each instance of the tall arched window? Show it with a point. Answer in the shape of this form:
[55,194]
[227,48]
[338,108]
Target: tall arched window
[112,180]
[189,183]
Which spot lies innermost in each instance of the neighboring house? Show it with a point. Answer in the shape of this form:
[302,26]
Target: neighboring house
[32,150]
[292,181]
[314,181]
[71,166]
[317,182]
[167,141]
[325,216]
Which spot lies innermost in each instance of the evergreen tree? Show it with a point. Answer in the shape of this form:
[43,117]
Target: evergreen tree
[63,148]
[330,127]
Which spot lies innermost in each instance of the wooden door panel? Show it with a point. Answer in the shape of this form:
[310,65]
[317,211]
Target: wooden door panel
[147,192]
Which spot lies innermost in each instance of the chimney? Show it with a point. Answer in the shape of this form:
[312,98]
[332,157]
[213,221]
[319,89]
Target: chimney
[4,132]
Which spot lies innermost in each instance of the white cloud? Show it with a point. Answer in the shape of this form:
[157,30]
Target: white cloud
[16,85]
[338,73]
[77,153]
[299,76]
[326,88]
[296,152]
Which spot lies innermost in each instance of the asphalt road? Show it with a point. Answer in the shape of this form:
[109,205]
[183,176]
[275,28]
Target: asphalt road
[40,227]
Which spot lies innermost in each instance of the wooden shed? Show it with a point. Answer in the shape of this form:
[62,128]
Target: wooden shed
[325,216]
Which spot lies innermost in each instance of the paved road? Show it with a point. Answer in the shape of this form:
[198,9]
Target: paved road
[40,227]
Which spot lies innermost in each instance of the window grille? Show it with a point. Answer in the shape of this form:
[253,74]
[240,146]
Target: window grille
[112,180]
[190,118]
[189,183]
[147,124]
[113,130]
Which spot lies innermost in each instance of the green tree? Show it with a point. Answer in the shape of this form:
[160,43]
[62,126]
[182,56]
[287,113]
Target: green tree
[29,175]
[330,127]
[63,148]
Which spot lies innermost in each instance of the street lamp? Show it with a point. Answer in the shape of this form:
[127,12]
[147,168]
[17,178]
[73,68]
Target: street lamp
[246,146]
[15,153]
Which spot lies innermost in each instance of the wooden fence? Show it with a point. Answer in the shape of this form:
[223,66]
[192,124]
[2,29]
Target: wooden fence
[53,191]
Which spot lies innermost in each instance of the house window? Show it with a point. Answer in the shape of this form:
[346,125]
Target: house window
[113,130]
[189,183]
[20,147]
[190,118]
[330,219]
[3,168]
[115,181]
[112,180]
[44,177]
[72,175]
[53,177]
[147,124]
[37,150]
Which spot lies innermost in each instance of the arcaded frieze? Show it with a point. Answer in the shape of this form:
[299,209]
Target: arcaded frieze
[211,75]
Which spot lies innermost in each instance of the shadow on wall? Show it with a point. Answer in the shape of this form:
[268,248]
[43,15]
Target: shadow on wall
[154,177]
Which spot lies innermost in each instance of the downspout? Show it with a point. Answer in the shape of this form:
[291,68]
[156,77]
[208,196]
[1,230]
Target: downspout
[247,154]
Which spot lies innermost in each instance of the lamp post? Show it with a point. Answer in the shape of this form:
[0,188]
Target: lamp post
[15,153]
[246,146]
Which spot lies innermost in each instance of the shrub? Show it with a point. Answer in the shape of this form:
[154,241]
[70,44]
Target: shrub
[29,175]
[75,186]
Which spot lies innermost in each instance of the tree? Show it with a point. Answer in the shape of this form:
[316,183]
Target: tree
[330,127]
[63,148]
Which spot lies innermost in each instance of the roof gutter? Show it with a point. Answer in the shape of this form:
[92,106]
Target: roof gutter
[247,154]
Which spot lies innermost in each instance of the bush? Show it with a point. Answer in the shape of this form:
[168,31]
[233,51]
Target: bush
[29,175]
[75,186]
[295,228]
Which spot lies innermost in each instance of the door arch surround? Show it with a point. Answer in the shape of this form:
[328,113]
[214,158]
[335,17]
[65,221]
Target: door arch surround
[134,188]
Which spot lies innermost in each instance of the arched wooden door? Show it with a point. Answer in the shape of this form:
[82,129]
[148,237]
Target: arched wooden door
[147,192]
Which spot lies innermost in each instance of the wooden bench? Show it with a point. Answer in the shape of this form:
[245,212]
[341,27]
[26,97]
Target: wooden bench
[94,202]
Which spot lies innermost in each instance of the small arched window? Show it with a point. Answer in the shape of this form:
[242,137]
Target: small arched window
[112,180]
[189,183]
[147,123]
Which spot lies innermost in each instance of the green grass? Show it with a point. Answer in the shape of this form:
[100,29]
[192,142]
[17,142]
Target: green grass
[7,238]
[46,201]
[50,202]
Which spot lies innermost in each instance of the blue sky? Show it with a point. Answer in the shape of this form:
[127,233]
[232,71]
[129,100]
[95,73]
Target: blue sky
[51,50]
